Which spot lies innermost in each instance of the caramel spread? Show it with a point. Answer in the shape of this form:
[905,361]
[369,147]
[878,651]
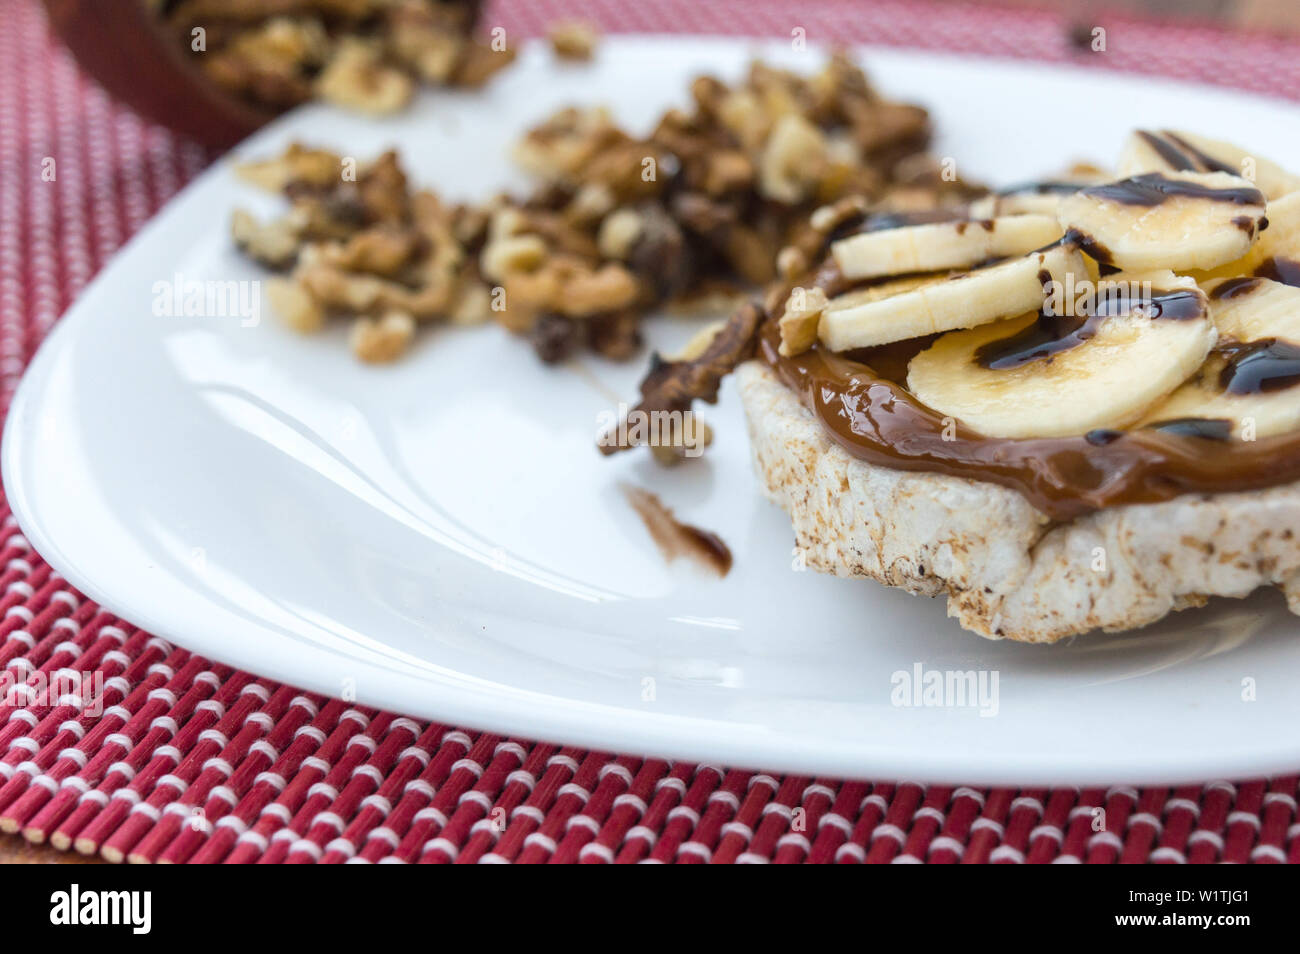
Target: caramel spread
[861,400]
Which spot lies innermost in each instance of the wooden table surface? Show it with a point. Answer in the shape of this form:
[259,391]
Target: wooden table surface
[1278,15]
[15,851]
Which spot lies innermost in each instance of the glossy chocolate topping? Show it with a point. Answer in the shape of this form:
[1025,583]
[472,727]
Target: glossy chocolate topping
[1153,189]
[1044,337]
[1262,366]
[1182,156]
[860,399]
[1234,288]
[1284,270]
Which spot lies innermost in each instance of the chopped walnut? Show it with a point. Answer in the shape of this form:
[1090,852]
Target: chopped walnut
[316,167]
[356,78]
[698,343]
[619,232]
[294,305]
[271,62]
[745,184]
[383,339]
[511,254]
[425,41]
[569,287]
[382,250]
[280,53]
[274,244]
[675,385]
[479,63]
[791,262]
[799,320]
[792,160]
[573,39]
[563,146]
[585,292]
[679,443]
[473,304]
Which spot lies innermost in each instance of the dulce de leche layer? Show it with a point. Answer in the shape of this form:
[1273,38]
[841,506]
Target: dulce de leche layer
[861,400]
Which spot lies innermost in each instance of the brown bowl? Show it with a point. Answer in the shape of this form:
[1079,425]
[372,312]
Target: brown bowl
[127,50]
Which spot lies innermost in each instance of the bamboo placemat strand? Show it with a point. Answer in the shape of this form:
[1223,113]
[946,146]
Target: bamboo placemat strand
[194,762]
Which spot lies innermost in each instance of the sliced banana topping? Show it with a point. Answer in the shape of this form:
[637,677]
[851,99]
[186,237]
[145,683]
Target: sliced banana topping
[1249,308]
[941,245]
[1250,383]
[1041,197]
[914,307]
[1035,344]
[1175,151]
[1178,220]
[1052,375]
[1277,253]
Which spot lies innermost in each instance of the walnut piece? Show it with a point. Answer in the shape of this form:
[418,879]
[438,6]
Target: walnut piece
[383,339]
[573,39]
[278,53]
[294,305]
[793,159]
[356,78]
[799,320]
[274,244]
[716,201]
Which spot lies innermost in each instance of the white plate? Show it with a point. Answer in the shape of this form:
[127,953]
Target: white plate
[440,537]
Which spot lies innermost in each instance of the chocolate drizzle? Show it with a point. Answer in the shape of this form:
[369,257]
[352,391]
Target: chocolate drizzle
[1203,159]
[1154,189]
[1284,270]
[1234,288]
[1045,337]
[1093,249]
[883,221]
[1171,154]
[1262,366]
[1181,156]
[1050,334]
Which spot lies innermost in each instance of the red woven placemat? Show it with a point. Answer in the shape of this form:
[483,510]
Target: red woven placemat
[191,761]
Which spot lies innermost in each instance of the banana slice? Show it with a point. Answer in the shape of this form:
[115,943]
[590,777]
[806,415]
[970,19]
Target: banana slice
[1175,151]
[913,307]
[1055,376]
[1246,309]
[941,245]
[1175,220]
[1277,253]
[1250,383]
[1041,197]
